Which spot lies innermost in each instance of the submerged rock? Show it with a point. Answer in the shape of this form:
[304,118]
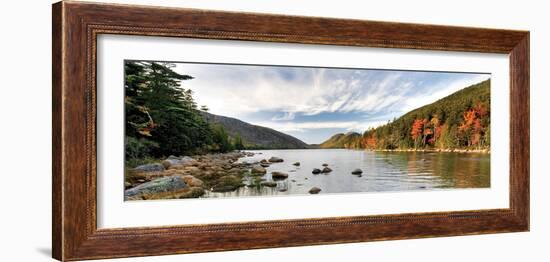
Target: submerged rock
[159,185]
[279,175]
[326,170]
[316,171]
[227,184]
[357,171]
[297,164]
[324,164]
[314,190]
[274,159]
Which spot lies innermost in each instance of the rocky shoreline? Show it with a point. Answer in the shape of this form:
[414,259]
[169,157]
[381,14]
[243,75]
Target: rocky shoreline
[192,177]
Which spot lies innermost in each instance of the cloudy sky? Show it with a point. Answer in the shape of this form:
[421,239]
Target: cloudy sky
[313,104]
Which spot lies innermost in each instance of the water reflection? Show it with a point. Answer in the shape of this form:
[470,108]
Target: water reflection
[382,171]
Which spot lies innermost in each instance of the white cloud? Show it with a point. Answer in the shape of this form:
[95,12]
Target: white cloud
[286,116]
[303,126]
[236,91]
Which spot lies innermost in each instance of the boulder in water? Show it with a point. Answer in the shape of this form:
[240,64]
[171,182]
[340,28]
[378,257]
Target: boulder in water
[279,175]
[258,170]
[274,159]
[269,184]
[314,190]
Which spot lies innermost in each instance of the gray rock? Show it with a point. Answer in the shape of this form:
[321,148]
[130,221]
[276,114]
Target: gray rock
[326,170]
[264,164]
[357,171]
[274,159]
[155,167]
[175,161]
[249,163]
[316,171]
[314,190]
[279,175]
[159,185]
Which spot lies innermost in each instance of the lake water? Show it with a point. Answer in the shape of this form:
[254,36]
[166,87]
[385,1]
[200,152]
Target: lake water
[382,171]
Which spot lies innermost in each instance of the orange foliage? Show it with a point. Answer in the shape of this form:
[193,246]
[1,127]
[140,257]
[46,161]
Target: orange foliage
[416,130]
[370,141]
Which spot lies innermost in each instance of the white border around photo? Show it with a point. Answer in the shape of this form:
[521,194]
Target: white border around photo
[114,212]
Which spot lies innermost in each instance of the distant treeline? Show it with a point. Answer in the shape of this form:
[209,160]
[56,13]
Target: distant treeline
[163,119]
[458,121]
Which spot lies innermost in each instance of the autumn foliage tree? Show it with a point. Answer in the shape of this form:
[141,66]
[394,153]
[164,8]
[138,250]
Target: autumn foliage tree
[417,131]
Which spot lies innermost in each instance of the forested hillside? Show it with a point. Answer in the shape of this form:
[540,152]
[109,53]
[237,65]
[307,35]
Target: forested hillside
[253,136]
[341,140]
[458,121]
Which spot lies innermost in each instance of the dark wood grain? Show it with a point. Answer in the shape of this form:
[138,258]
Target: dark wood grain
[76,26]
[57,195]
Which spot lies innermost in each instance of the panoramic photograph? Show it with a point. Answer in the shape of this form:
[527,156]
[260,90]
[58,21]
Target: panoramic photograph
[205,130]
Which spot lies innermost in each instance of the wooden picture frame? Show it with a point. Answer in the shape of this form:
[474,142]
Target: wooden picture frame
[76,26]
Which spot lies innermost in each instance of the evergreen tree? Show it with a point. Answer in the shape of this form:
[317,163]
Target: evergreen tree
[160,110]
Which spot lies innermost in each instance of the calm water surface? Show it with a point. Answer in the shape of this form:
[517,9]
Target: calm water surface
[382,171]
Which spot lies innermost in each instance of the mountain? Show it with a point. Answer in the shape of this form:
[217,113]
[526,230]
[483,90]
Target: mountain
[254,136]
[458,121]
[341,140]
